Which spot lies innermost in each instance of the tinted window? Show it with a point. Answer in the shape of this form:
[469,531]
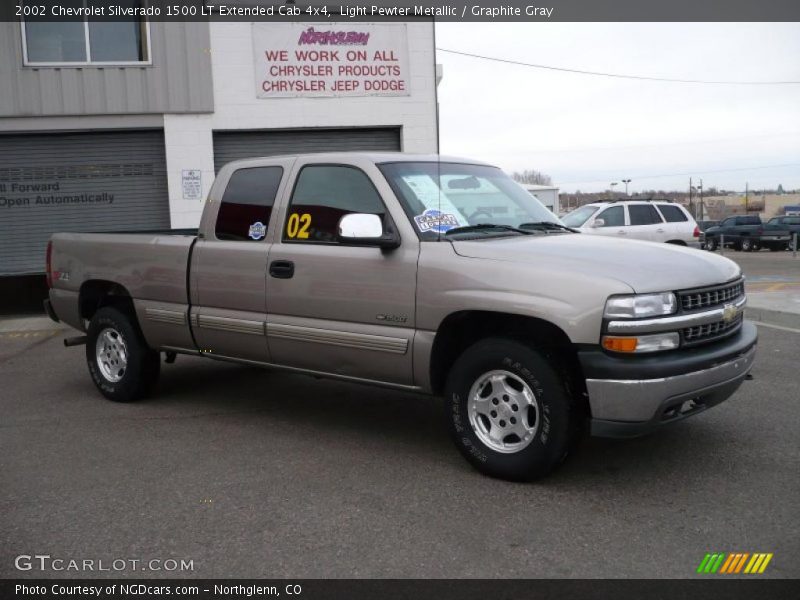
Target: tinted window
[791,220]
[247,204]
[643,214]
[729,222]
[613,217]
[322,196]
[672,214]
[748,221]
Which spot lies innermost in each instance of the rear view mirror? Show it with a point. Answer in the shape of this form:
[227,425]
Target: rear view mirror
[598,223]
[361,229]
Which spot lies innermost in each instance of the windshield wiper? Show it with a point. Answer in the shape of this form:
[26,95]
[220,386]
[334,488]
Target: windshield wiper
[486,227]
[547,225]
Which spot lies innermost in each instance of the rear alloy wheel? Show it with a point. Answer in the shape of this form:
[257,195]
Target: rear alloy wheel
[509,411]
[748,245]
[120,362]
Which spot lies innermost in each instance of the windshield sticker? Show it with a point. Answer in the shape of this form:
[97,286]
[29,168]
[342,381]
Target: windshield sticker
[257,230]
[432,198]
[436,221]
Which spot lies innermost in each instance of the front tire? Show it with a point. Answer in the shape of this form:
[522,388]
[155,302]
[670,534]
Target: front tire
[508,411]
[122,365]
[711,244]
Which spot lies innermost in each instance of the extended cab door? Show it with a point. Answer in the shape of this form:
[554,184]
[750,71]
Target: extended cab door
[333,307]
[229,264]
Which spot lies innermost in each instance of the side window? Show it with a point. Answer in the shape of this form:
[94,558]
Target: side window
[643,214]
[672,214]
[728,222]
[247,204]
[322,196]
[613,217]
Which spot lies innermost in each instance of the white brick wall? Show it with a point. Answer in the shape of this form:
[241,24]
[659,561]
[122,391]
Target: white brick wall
[189,137]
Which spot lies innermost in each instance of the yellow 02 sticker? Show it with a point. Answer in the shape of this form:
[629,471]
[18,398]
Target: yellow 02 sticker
[297,226]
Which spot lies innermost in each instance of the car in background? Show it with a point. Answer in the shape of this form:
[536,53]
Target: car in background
[703,225]
[790,222]
[747,233]
[648,220]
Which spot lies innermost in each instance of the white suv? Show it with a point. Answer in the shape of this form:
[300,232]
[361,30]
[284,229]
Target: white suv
[652,221]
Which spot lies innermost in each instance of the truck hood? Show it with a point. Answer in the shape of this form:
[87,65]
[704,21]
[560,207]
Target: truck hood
[644,266]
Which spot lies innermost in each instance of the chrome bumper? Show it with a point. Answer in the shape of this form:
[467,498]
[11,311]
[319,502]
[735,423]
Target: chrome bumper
[628,408]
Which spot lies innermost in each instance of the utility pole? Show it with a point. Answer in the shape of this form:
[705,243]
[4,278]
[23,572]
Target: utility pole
[701,201]
[746,190]
[691,206]
[612,184]
[626,182]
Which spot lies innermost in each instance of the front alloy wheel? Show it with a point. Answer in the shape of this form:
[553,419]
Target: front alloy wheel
[503,411]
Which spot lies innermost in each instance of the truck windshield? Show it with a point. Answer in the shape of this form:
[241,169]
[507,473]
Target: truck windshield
[439,197]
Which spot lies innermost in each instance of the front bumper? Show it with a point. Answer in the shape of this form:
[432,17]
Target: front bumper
[631,396]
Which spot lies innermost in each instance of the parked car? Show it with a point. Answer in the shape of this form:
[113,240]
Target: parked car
[652,221]
[422,273]
[790,222]
[703,225]
[747,233]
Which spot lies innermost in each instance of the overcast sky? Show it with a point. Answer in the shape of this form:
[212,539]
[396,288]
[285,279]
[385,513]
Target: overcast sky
[587,131]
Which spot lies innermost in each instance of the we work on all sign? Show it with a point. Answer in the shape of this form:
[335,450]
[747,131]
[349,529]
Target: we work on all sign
[334,71]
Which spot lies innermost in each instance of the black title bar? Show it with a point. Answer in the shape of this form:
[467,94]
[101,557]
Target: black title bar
[486,11]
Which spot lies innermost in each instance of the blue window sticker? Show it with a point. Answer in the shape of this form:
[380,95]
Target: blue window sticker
[436,221]
[257,230]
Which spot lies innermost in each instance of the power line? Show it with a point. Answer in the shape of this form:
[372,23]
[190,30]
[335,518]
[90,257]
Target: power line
[703,172]
[663,144]
[616,75]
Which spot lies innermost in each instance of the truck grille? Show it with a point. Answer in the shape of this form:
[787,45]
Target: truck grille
[711,331]
[711,297]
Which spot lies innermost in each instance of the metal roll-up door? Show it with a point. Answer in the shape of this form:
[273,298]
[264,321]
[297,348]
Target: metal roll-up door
[235,145]
[65,182]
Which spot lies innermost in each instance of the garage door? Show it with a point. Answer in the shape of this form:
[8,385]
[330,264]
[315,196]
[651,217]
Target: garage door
[234,145]
[111,181]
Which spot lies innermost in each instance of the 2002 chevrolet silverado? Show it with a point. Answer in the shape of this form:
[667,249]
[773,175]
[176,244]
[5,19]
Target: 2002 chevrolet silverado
[425,273]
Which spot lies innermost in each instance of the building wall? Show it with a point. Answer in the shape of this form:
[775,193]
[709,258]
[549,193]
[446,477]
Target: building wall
[189,137]
[179,79]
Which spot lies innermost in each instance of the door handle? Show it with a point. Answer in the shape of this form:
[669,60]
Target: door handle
[281,269]
[622,232]
[659,230]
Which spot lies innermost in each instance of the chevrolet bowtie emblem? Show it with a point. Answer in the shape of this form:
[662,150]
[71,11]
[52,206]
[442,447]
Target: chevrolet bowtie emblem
[729,313]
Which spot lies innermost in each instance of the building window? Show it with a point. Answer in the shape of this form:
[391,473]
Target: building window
[85,41]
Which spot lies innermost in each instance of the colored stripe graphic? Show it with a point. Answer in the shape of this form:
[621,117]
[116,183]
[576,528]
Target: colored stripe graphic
[734,562]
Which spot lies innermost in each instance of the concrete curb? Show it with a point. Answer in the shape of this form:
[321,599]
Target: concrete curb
[773,317]
[23,324]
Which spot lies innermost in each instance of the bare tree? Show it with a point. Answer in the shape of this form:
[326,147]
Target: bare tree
[532,176]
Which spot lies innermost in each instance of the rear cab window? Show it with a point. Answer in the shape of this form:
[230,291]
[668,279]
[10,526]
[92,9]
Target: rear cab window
[247,203]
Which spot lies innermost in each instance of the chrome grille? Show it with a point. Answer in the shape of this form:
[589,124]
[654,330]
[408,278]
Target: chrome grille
[711,331]
[711,297]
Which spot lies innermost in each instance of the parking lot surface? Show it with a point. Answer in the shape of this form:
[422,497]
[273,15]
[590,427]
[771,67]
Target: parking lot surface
[252,473]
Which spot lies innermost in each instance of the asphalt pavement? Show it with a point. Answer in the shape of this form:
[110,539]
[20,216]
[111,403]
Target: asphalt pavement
[253,473]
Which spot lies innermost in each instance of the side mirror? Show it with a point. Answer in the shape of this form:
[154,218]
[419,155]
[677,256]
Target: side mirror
[598,223]
[359,229]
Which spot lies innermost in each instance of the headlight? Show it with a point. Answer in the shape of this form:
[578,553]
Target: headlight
[640,306]
[642,343]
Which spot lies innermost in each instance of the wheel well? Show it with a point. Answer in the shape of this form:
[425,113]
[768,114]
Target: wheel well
[462,329]
[96,294]
[677,242]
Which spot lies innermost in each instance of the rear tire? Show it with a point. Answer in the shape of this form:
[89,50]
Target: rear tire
[509,411]
[711,244]
[748,245]
[122,365]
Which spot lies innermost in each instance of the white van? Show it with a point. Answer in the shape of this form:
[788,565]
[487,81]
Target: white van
[652,221]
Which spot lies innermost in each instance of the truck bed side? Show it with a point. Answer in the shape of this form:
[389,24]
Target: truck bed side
[149,268]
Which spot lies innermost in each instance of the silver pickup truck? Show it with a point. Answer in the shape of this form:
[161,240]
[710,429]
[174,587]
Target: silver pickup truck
[425,273]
